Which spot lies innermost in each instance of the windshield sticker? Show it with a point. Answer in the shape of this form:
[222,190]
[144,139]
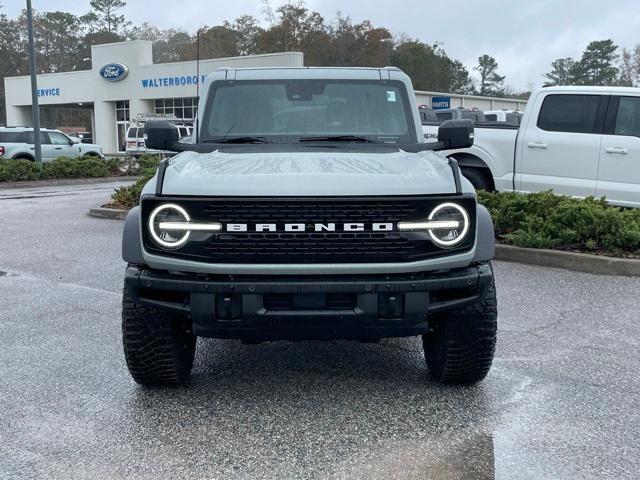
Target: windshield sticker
[391,96]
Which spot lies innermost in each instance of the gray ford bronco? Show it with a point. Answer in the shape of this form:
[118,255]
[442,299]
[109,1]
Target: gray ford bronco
[308,205]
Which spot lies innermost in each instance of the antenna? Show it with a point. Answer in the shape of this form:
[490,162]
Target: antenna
[197,83]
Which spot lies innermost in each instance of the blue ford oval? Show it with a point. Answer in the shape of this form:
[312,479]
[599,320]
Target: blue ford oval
[114,72]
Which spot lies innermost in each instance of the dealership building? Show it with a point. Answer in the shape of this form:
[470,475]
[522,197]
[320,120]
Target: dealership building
[123,85]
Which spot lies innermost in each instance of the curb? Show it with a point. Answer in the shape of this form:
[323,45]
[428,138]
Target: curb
[110,213]
[581,262]
[66,181]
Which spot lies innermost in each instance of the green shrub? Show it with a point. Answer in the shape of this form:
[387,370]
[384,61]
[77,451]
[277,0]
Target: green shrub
[545,220]
[138,166]
[147,162]
[75,168]
[18,170]
[82,167]
[129,196]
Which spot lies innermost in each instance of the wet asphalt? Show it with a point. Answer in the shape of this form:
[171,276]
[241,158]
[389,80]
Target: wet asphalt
[561,400]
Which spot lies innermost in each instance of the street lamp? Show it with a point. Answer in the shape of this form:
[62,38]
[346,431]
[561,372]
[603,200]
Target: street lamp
[35,108]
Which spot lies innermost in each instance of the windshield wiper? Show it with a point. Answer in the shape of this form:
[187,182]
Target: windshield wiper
[238,140]
[338,138]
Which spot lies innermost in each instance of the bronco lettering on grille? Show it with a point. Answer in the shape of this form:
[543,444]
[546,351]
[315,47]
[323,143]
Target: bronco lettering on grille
[311,227]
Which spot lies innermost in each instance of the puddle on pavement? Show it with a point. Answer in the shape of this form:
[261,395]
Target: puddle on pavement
[429,459]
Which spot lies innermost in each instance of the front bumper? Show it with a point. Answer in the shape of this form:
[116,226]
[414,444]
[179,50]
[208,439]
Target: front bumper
[360,307]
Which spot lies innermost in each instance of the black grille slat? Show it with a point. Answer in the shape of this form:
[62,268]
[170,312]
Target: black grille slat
[308,246]
[239,212]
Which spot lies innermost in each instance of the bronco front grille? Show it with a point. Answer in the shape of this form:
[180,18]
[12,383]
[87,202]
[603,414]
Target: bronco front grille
[309,246]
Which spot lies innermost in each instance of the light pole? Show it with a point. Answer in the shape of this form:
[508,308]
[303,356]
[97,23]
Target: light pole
[35,108]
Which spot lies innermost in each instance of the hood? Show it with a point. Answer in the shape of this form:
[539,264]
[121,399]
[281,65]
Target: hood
[308,173]
[91,146]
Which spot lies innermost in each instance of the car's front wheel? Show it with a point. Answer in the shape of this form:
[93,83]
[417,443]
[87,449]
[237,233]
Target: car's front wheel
[159,346]
[460,344]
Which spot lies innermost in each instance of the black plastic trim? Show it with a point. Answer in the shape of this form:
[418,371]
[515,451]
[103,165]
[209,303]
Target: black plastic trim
[612,113]
[162,168]
[455,168]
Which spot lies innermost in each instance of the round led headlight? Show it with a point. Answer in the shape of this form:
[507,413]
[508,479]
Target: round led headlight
[166,225]
[448,224]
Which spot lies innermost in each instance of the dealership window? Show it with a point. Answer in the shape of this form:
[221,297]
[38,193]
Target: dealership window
[569,113]
[182,108]
[122,123]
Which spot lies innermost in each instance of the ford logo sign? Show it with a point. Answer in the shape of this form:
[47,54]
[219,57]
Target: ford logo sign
[114,72]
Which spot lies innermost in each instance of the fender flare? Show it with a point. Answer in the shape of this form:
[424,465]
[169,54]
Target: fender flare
[485,238]
[92,153]
[131,240]
[473,161]
[24,156]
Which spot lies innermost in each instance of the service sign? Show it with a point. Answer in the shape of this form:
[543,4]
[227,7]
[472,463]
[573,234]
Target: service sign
[114,72]
[440,103]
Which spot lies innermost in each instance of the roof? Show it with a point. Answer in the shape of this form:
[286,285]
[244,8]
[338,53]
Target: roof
[27,129]
[588,88]
[320,73]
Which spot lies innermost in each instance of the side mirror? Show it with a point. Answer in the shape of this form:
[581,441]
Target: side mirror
[159,135]
[456,134]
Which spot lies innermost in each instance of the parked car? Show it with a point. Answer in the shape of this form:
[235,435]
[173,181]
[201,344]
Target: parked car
[512,117]
[135,139]
[17,143]
[83,137]
[283,225]
[427,115]
[579,141]
[472,114]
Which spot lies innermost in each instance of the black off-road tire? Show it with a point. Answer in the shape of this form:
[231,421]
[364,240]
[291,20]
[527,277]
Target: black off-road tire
[159,346]
[478,178]
[459,345]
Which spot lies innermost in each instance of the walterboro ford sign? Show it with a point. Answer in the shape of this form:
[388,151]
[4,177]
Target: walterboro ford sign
[114,72]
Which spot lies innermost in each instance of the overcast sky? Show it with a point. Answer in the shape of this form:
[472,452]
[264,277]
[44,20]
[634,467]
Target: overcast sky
[524,36]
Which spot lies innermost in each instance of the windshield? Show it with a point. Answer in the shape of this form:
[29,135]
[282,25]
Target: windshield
[288,111]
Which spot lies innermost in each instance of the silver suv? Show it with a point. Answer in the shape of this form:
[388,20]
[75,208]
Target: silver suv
[17,143]
[309,207]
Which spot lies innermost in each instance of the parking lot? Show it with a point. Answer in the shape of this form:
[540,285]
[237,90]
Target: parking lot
[560,402]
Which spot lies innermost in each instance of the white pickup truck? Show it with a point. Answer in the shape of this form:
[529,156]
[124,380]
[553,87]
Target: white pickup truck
[577,141]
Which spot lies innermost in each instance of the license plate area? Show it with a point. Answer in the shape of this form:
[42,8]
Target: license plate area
[310,301]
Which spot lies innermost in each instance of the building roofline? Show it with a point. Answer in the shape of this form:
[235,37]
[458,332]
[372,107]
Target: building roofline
[202,60]
[111,44]
[71,72]
[465,95]
[76,72]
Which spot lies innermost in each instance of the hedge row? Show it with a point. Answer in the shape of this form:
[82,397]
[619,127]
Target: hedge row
[82,167]
[545,220]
